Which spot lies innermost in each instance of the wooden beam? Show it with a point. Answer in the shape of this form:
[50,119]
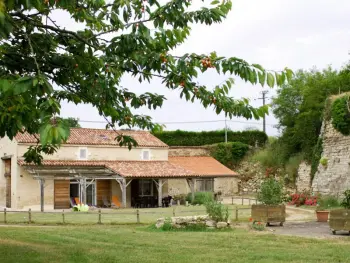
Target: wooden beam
[160,192]
[122,184]
[42,182]
[190,182]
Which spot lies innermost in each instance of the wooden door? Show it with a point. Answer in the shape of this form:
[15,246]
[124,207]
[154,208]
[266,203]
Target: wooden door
[103,191]
[8,191]
[8,182]
[61,194]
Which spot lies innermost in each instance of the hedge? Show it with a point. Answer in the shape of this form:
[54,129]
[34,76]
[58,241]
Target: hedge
[341,115]
[189,138]
[229,154]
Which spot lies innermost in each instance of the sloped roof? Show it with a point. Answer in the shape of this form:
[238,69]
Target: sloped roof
[203,165]
[128,169]
[87,136]
[174,168]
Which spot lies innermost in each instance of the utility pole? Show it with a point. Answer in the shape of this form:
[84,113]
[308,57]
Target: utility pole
[225,131]
[264,92]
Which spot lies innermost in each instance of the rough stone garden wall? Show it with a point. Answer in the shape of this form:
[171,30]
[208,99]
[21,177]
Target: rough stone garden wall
[303,180]
[334,177]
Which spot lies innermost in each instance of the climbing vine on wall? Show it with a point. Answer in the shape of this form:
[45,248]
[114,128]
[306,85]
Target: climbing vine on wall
[341,115]
[317,153]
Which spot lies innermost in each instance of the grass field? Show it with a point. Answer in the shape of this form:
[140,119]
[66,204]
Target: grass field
[115,216]
[140,244]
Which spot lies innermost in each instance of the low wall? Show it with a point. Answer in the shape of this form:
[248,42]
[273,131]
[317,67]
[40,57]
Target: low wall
[184,221]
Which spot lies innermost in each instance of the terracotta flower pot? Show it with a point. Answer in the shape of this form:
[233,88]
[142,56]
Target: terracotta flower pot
[322,216]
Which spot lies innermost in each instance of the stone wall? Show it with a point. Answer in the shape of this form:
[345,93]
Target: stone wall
[333,178]
[304,177]
[189,151]
[185,221]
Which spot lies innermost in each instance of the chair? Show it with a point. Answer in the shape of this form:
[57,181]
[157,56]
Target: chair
[77,200]
[106,202]
[115,202]
[72,202]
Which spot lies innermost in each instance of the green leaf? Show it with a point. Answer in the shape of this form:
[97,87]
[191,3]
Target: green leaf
[270,80]
[262,78]
[215,2]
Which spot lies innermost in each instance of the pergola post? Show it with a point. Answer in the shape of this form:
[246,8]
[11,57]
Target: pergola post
[123,185]
[42,183]
[82,183]
[159,186]
[191,182]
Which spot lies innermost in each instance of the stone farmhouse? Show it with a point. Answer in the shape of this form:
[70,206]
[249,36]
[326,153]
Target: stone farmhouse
[91,167]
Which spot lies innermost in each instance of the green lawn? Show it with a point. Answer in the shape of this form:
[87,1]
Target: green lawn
[115,216]
[139,244]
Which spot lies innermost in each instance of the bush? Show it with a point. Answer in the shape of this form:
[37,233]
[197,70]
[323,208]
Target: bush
[230,153]
[271,192]
[327,202]
[216,211]
[181,198]
[292,166]
[317,152]
[341,115]
[303,199]
[346,201]
[189,138]
[200,198]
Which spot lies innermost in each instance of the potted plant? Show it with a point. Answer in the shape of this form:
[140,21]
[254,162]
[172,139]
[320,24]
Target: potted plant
[271,209]
[324,205]
[339,219]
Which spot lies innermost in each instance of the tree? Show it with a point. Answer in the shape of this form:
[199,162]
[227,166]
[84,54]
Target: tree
[42,64]
[71,122]
[299,107]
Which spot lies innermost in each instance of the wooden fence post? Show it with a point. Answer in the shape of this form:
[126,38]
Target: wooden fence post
[138,216]
[174,211]
[236,213]
[249,200]
[242,200]
[5,221]
[232,200]
[178,202]
[29,216]
[63,219]
[256,201]
[99,216]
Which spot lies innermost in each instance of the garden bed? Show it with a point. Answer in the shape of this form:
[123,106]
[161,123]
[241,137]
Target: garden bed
[269,214]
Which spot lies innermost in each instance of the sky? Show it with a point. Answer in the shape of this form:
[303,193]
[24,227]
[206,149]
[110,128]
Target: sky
[274,33]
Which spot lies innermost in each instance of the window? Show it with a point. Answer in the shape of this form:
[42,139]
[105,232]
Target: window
[145,187]
[145,155]
[83,153]
[205,185]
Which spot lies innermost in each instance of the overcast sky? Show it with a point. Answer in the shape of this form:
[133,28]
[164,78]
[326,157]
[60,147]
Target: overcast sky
[273,33]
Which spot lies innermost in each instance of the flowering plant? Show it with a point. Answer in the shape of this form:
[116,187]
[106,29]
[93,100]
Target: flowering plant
[81,208]
[257,225]
[303,199]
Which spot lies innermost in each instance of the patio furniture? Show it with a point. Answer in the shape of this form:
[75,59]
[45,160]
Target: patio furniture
[166,201]
[77,200]
[72,202]
[106,202]
[115,202]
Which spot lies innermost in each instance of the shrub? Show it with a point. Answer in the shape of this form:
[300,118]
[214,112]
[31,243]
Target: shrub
[346,201]
[216,211]
[258,226]
[271,192]
[230,153]
[303,199]
[327,202]
[292,166]
[341,115]
[324,162]
[317,152]
[181,198]
[189,138]
[200,198]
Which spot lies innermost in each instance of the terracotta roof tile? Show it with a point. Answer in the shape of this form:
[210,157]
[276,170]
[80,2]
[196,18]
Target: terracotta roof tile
[175,167]
[128,169]
[203,165]
[83,136]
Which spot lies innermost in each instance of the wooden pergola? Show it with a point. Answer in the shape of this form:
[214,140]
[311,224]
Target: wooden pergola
[83,173]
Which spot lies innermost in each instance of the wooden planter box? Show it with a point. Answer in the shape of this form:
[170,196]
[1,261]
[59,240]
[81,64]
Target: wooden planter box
[269,214]
[339,219]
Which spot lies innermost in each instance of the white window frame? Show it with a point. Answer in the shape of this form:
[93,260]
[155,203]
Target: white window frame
[86,153]
[149,155]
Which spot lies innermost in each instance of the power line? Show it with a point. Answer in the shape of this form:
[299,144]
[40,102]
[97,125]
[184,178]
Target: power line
[190,122]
